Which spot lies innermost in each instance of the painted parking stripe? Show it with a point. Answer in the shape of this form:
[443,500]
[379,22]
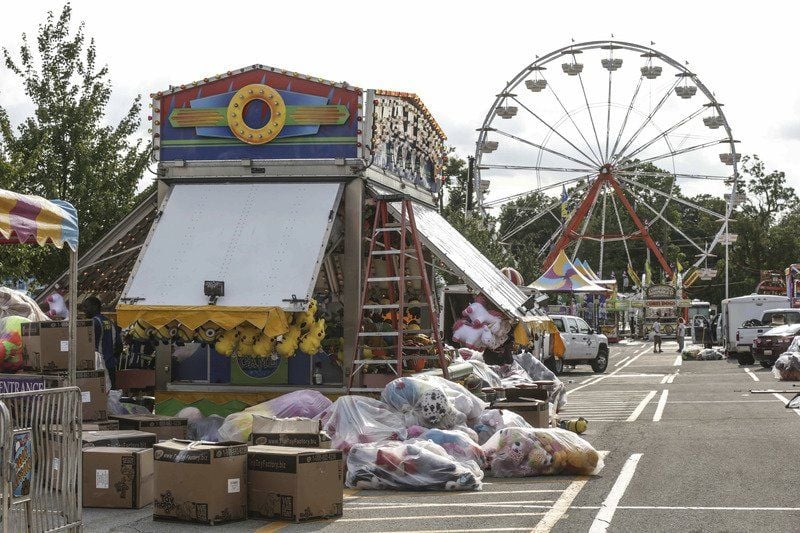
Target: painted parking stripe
[750,373]
[434,517]
[662,403]
[622,361]
[635,414]
[563,503]
[678,361]
[609,506]
[604,376]
[785,400]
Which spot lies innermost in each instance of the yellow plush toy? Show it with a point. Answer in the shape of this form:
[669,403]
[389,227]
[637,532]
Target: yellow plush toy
[141,332]
[290,341]
[264,345]
[207,333]
[247,339]
[305,319]
[226,343]
[310,342]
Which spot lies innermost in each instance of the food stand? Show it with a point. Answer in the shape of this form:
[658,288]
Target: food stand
[662,303]
[266,188]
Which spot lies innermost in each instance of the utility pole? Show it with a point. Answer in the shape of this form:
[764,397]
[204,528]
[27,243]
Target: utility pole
[470,185]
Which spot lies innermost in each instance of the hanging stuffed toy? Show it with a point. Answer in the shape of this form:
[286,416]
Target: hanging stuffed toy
[247,339]
[57,307]
[311,342]
[287,346]
[305,319]
[227,342]
[264,345]
[207,333]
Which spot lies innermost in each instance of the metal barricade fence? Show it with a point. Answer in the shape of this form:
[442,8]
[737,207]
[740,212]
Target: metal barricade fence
[40,450]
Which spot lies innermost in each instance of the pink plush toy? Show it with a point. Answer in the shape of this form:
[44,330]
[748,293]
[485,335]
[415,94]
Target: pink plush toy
[468,335]
[477,312]
[56,306]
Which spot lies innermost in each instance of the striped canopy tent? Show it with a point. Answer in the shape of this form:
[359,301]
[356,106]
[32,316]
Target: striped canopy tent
[587,270]
[33,220]
[564,276]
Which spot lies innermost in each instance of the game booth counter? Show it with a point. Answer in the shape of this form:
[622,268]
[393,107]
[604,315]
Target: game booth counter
[245,271]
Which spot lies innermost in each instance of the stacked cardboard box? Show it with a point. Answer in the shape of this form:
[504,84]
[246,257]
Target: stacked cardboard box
[295,432]
[45,345]
[164,427]
[198,482]
[118,478]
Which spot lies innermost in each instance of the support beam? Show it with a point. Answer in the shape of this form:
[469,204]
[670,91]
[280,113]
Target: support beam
[648,240]
[353,255]
[571,229]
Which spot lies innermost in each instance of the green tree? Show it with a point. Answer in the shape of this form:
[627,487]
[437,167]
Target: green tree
[477,228]
[67,148]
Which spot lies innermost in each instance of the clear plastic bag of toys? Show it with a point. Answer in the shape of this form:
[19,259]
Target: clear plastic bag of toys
[431,401]
[352,420]
[415,464]
[523,452]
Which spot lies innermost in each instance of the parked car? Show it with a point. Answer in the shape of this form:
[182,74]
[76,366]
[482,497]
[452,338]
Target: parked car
[583,345]
[750,330]
[773,343]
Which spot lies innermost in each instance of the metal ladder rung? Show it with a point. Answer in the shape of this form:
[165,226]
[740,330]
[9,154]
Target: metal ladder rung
[375,362]
[393,278]
[384,230]
[386,252]
[378,334]
[381,306]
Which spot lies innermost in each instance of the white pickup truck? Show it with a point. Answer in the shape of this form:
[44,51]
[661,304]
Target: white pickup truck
[751,329]
[583,345]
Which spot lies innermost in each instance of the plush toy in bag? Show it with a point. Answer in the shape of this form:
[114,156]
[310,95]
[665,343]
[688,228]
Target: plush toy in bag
[415,464]
[523,452]
[11,356]
[57,307]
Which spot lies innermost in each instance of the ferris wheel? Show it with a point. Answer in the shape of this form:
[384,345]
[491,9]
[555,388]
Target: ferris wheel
[616,134]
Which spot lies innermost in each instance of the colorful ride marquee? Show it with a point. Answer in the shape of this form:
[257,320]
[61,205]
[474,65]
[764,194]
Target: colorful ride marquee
[257,112]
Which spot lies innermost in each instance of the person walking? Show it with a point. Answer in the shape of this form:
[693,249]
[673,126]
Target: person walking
[657,337]
[680,333]
[633,326]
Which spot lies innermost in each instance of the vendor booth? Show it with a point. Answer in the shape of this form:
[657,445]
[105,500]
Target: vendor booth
[245,272]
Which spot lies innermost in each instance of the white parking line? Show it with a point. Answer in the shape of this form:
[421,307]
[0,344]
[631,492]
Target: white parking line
[374,506]
[785,400]
[604,376]
[635,414]
[609,506]
[433,517]
[662,402]
[678,361]
[750,373]
[622,361]
[561,506]
[672,377]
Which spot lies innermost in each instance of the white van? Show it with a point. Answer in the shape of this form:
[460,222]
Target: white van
[736,311]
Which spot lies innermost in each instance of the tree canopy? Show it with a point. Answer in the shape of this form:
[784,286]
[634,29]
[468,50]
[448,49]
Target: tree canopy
[69,147]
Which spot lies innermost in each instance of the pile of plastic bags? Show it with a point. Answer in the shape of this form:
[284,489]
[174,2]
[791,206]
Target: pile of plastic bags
[787,367]
[695,353]
[425,433]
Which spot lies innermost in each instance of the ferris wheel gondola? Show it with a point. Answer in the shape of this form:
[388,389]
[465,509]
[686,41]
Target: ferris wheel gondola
[554,135]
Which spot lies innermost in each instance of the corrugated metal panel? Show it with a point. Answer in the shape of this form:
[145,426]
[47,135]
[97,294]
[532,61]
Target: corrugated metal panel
[465,260]
[264,240]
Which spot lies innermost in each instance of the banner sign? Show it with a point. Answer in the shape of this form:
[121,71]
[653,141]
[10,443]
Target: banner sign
[20,383]
[257,112]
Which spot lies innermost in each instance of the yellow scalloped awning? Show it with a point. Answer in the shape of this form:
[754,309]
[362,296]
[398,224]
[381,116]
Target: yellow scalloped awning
[271,319]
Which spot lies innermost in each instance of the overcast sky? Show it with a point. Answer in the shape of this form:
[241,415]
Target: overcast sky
[455,55]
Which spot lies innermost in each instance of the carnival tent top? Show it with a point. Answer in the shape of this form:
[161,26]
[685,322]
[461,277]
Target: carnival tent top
[34,220]
[564,276]
[584,267]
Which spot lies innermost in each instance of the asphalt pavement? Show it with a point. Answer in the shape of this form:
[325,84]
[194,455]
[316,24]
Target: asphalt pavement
[686,446]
